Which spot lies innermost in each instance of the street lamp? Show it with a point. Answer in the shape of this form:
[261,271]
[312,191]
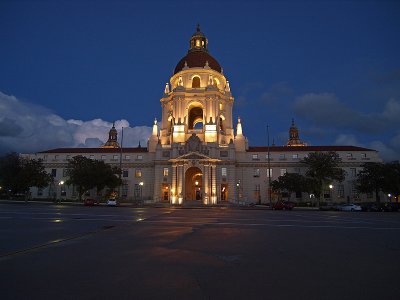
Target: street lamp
[61,184]
[141,187]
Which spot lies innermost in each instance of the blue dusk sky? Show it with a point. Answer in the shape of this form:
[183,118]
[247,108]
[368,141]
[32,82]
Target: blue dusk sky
[68,69]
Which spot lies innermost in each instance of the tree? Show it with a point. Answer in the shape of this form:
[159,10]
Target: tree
[19,174]
[322,169]
[87,174]
[392,179]
[290,182]
[379,177]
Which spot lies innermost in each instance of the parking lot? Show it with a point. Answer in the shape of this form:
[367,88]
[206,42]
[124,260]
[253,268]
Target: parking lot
[74,252]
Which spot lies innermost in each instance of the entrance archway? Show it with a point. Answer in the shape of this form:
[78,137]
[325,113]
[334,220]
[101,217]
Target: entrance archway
[193,184]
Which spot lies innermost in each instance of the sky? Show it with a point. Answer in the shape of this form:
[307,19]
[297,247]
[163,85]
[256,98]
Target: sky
[69,69]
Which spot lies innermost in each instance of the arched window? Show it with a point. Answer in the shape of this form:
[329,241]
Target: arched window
[195,118]
[195,82]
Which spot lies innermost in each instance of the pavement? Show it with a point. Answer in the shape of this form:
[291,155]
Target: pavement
[77,252]
[190,205]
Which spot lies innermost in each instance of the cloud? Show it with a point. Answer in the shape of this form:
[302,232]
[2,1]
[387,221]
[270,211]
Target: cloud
[26,127]
[276,92]
[388,152]
[325,110]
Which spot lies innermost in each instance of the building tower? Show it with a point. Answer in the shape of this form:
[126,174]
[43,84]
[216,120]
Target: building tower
[112,141]
[294,138]
[197,99]
[196,126]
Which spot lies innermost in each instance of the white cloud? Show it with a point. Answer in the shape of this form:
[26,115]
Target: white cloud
[326,110]
[386,152]
[26,127]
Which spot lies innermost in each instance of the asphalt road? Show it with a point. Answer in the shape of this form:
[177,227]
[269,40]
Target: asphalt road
[69,252]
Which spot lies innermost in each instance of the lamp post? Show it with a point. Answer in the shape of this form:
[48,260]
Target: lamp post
[269,171]
[61,184]
[331,191]
[141,187]
[237,192]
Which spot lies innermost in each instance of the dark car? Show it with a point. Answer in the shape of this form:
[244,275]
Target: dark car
[90,202]
[281,205]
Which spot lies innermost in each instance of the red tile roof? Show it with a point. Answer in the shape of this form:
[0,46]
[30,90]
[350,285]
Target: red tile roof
[95,150]
[307,148]
[198,59]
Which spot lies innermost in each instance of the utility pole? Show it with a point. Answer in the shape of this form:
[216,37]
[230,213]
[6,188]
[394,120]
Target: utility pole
[120,163]
[269,171]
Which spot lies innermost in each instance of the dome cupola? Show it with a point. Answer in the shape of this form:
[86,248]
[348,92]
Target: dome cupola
[198,56]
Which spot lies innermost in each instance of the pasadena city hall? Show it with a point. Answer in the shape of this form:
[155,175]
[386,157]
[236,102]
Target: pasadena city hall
[196,153]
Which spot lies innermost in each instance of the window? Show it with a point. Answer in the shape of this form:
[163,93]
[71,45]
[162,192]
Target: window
[354,192]
[282,156]
[103,157]
[257,194]
[195,82]
[268,156]
[124,189]
[127,157]
[165,154]
[45,157]
[115,157]
[68,157]
[256,173]
[138,173]
[283,172]
[363,155]
[125,173]
[53,173]
[269,172]
[91,156]
[223,172]
[65,171]
[340,191]
[295,156]
[255,156]
[349,155]
[55,157]
[139,157]
[223,153]
[165,172]
[353,172]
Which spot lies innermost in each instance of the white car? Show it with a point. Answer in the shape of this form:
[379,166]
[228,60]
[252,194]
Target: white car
[112,202]
[349,207]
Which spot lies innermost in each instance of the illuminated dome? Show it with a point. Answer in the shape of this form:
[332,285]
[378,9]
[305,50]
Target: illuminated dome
[198,56]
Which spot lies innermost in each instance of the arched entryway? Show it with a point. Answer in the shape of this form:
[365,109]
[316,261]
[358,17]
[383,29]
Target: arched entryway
[193,184]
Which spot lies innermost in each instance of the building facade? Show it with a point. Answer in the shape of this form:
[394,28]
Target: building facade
[196,154]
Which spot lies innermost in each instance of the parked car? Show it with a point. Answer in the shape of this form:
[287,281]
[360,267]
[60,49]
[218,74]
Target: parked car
[281,205]
[90,202]
[112,202]
[371,206]
[328,206]
[349,207]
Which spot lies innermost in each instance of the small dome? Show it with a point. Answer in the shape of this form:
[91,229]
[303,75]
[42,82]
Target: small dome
[198,56]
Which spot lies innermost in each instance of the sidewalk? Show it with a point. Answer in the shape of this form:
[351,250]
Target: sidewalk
[187,205]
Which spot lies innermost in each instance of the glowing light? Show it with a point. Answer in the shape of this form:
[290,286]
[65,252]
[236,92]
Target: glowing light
[389,195]
[57,221]
[331,186]
[141,183]
[196,183]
